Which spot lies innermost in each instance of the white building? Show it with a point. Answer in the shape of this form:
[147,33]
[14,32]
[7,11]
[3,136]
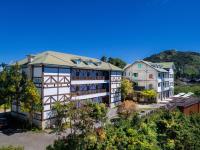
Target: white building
[148,75]
[61,77]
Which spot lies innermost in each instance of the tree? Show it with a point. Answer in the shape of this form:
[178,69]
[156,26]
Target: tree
[99,112]
[104,59]
[60,110]
[3,88]
[126,88]
[14,79]
[117,62]
[10,84]
[126,109]
[30,100]
[149,94]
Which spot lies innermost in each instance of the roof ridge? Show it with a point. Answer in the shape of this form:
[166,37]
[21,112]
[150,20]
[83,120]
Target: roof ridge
[86,57]
[57,57]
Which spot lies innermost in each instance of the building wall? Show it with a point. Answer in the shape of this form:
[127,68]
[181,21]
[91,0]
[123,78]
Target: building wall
[64,84]
[115,88]
[149,78]
[195,108]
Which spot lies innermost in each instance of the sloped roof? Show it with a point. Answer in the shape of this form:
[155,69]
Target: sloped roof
[127,65]
[64,59]
[166,64]
[160,67]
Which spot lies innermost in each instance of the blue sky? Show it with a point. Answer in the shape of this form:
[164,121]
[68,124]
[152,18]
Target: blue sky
[129,29]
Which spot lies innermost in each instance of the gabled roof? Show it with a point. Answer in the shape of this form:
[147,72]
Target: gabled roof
[166,64]
[155,66]
[63,59]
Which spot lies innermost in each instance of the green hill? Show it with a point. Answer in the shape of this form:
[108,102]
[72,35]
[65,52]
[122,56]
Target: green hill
[187,63]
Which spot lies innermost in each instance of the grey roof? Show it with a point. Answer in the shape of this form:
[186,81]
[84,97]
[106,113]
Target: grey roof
[185,102]
[127,65]
[155,66]
[166,64]
[64,59]
[160,67]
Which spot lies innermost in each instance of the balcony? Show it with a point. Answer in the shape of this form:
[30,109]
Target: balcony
[89,78]
[78,93]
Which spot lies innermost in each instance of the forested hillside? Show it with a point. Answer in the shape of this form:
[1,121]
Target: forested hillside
[187,63]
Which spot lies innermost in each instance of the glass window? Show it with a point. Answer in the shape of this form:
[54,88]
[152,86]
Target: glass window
[139,66]
[77,73]
[135,75]
[150,76]
[150,86]
[159,84]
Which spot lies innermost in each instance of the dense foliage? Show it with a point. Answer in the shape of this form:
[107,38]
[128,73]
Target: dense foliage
[187,63]
[15,85]
[10,147]
[115,61]
[188,88]
[162,130]
[126,88]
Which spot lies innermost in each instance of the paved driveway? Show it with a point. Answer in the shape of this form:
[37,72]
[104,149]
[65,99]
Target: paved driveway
[30,140]
[12,135]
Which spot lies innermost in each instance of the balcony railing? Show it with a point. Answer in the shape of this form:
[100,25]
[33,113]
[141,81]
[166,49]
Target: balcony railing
[89,78]
[78,93]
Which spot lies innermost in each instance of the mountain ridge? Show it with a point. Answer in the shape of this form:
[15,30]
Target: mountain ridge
[187,63]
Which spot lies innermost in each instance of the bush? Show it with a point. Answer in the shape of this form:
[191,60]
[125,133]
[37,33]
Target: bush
[10,147]
[126,109]
[188,88]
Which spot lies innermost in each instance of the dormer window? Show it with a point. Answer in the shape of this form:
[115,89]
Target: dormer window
[77,61]
[97,63]
[88,62]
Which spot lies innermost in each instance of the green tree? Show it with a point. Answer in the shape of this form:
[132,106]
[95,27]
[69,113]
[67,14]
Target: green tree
[30,100]
[14,79]
[60,113]
[104,59]
[126,88]
[4,96]
[117,62]
[149,94]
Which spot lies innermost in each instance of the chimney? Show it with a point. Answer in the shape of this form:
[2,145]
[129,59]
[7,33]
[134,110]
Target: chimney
[30,58]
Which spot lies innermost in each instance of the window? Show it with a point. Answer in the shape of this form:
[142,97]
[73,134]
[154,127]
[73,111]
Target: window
[129,73]
[77,74]
[139,66]
[159,84]
[124,73]
[150,86]
[150,76]
[77,61]
[171,75]
[135,75]
[77,88]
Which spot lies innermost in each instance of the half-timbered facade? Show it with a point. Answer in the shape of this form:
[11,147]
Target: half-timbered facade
[64,77]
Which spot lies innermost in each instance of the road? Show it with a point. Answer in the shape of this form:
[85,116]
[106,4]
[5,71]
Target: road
[30,140]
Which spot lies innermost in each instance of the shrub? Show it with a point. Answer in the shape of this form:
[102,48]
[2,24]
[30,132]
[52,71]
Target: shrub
[126,109]
[10,147]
